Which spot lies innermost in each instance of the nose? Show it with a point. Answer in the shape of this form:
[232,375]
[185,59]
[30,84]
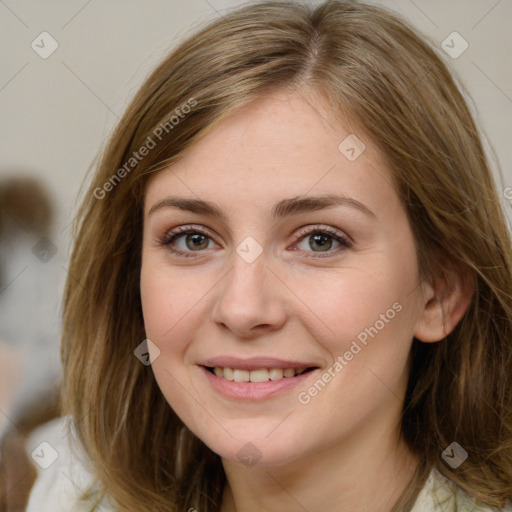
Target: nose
[250,300]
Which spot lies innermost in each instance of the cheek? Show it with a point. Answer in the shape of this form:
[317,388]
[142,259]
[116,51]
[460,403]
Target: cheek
[367,315]
[350,304]
[168,298]
[155,302]
[168,309]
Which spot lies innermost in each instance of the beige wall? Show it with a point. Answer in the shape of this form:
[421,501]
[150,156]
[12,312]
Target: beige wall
[55,113]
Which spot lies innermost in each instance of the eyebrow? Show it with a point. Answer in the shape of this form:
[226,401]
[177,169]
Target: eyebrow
[284,208]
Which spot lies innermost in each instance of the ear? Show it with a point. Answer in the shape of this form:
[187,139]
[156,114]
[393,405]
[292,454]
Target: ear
[445,302]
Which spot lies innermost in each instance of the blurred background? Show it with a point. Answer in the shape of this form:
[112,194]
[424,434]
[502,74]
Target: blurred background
[68,70]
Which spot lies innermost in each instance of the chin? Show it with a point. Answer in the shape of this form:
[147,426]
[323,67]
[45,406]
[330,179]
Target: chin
[257,451]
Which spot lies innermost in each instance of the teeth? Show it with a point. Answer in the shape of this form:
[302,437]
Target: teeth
[260,375]
[276,373]
[241,375]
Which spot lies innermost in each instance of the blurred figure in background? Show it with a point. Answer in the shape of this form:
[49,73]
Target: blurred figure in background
[26,214]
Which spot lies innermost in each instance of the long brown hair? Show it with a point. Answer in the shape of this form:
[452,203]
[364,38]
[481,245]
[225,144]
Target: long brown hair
[374,69]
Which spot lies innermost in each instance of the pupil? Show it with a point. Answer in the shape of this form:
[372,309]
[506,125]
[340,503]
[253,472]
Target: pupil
[196,240]
[320,240]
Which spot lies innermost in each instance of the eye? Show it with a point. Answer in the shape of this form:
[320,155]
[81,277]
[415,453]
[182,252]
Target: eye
[185,240]
[323,239]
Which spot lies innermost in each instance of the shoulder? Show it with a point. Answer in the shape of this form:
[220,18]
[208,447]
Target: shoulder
[442,495]
[63,479]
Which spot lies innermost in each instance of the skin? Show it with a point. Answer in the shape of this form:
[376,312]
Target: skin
[342,450]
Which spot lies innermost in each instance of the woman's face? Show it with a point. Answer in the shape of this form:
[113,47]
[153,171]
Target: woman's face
[279,283]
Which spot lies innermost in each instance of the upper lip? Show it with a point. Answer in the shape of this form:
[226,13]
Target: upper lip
[254,363]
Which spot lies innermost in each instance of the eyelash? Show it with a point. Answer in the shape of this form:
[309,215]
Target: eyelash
[180,231]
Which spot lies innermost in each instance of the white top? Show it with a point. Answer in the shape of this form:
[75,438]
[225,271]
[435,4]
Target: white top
[63,478]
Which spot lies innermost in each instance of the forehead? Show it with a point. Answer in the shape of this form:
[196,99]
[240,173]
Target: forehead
[282,145]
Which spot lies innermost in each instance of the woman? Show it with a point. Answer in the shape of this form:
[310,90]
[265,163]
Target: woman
[296,280]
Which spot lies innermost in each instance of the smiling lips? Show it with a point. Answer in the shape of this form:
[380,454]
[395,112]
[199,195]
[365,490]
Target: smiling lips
[259,375]
[256,369]
[254,379]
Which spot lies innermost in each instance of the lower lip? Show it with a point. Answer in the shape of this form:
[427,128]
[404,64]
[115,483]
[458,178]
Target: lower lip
[254,391]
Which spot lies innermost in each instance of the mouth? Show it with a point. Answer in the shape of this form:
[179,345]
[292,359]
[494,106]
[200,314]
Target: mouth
[257,375]
[255,379]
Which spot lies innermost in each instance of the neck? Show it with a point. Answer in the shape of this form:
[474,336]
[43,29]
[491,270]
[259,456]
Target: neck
[357,474]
